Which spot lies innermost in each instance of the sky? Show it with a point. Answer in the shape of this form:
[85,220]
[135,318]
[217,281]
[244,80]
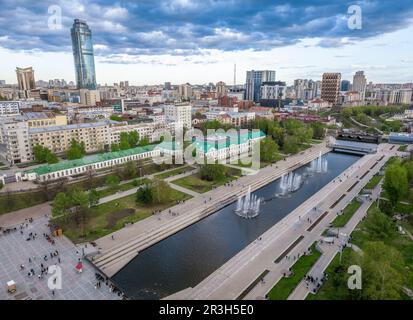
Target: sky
[199,41]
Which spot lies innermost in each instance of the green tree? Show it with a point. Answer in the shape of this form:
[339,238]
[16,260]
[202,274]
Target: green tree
[144,142]
[212,172]
[318,130]
[144,194]
[291,145]
[379,225]
[124,141]
[94,197]
[112,181]
[61,204]
[408,165]
[130,170]
[382,267]
[51,158]
[268,150]
[76,150]
[133,138]
[114,147]
[395,182]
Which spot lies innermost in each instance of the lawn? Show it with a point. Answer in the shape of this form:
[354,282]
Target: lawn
[402,148]
[122,187]
[16,201]
[195,183]
[286,286]
[174,172]
[373,182]
[111,216]
[341,220]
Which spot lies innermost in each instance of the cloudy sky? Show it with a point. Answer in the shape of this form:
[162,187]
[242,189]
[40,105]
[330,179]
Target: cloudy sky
[198,41]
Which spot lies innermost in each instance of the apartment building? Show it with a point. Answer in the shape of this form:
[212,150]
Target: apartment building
[330,87]
[179,113]
[9,108]
[95,136]
[14,135]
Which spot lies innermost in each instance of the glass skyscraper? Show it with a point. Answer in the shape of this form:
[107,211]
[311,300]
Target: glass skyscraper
[83,55]
[254,81]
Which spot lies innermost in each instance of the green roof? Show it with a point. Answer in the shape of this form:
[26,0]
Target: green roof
[233,139]
[88,160]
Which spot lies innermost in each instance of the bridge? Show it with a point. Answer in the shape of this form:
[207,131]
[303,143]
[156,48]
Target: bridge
[359,148]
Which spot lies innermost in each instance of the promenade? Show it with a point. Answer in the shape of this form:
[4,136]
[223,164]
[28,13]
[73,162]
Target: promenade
[119,248]
[253,272]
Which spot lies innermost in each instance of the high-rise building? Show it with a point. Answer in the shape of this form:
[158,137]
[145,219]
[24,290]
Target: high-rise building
[330,87]
[89,97]
[273,90]
[345,85]
[25,80]
[180,113]
[83,55]
[360,84]
[185,91]
[254,81]
[221,89]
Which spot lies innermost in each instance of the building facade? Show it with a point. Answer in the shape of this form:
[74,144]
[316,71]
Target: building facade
[360,84]
[83,55]
[254,81]
[330,87]
[9,108]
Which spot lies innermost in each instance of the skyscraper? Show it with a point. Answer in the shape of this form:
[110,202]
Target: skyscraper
[345,85]
[254,81]
[360,84]
[330,87]
[25,78]
[83,55]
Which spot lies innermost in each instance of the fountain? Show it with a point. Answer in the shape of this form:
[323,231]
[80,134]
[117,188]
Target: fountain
[248,207]
[290,183]
[319,165]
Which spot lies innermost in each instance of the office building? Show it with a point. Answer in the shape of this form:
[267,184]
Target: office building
[25,80]
[83,55]
[330,87]
[254,81]
[89,97]
[179,113]
[360,84]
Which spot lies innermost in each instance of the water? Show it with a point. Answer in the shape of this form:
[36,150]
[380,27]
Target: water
[186,258]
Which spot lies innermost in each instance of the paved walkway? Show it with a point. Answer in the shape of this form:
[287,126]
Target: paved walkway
[235,276]
[116,252]
[15,250]
[329,251]
[16,217]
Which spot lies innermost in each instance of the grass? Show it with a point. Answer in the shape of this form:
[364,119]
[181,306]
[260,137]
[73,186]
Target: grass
[174,172]
[111,216]
[195,183]
[373,182]
[402,148]
[16,201]
[341,220]
[286,286]
[122,187]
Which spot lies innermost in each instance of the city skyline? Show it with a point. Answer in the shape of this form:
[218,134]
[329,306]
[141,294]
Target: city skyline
[201,49]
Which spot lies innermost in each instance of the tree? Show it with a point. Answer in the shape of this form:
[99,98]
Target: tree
[130,170]
[318,130]
[61,204]
[379,225]
[212,172]
[395,182]
[114,147]
[133,138]
[1,185]
[160,191]
[268,150]
[124,141]
[144,194]
[43,154]
[115,118]
[408,165]
[382,267]
[291,144]
[144,142]
[112,181]
[51,158]
[76,150]
[94,197]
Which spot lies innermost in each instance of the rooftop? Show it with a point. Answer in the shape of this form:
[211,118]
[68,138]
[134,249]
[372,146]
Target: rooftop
[72,126]
[89,160]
